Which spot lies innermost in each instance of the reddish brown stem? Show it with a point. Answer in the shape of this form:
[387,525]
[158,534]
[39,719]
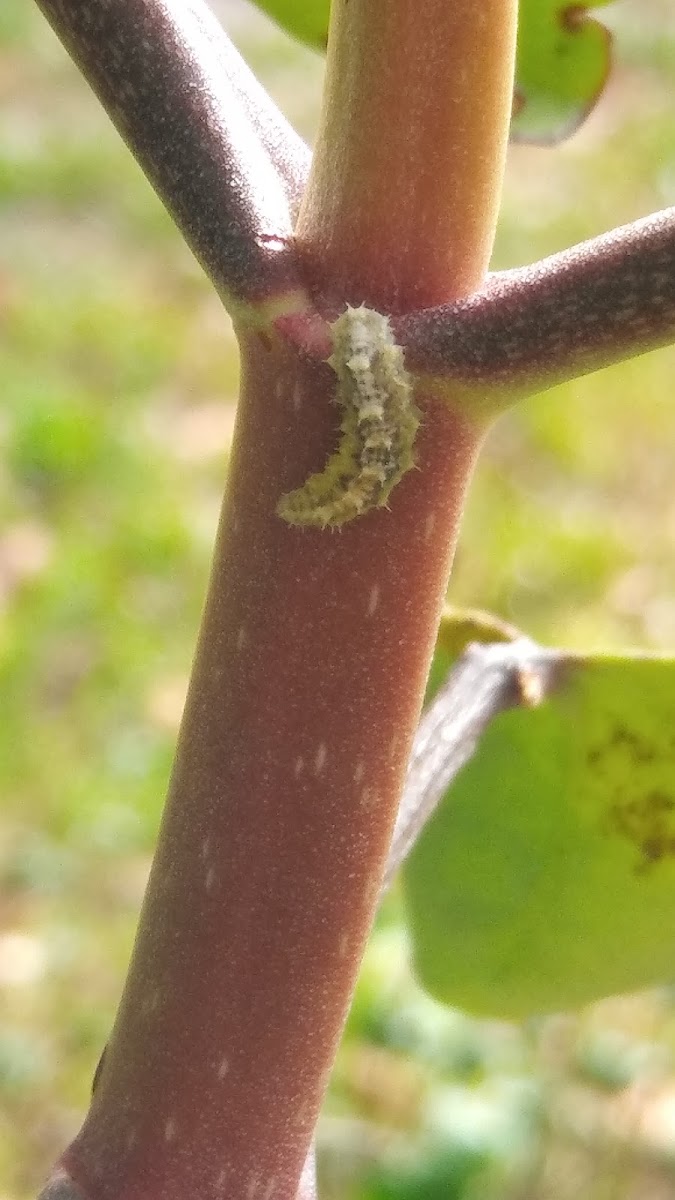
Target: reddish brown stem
[307,684]
[404,189]
[226,164]
[529,329]
[293,750]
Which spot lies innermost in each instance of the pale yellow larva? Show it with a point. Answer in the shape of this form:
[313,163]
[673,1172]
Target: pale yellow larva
[378,428]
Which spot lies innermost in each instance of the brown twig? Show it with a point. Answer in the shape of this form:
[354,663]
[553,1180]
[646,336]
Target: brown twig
[222,159]
[486,680]
[528,329]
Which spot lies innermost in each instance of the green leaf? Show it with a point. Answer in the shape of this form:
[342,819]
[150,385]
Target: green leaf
[306,20]
[546,878]
[459,627]
[562,65]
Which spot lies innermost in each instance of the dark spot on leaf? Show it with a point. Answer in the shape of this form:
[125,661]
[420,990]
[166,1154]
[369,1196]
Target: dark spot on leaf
[638,749]
[649,823]
[573,17]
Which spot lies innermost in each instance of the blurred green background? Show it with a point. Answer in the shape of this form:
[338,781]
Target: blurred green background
[118,379]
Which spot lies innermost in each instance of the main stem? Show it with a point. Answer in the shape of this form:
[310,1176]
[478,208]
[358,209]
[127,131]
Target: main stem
[312,658]
[405,184]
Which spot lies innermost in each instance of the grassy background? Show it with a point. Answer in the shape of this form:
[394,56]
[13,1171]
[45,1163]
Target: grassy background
[118,379]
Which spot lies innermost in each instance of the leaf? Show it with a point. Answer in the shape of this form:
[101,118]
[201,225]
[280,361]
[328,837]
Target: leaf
[306,20]
[546,877]
[459,627]
[562,65]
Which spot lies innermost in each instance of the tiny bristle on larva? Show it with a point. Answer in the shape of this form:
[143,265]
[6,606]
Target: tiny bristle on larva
[377,432]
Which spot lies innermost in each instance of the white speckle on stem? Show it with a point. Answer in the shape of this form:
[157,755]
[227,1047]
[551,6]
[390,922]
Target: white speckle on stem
[206,846]
[252,1185]
[297,398]
[223,1067]
[132,1138]
[151,1002]
[359,771]
[222,1177]
[343,944]
[368,798]
[210,880]
[373,599]
[320,758]
[169,1129]
[270,1189]
[429,526]
[242,637]
[298,766]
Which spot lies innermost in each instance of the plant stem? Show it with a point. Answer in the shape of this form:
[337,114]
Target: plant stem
[485,680]
[404,189]
[221,157]
[588,307]
[303,704]
[310,671]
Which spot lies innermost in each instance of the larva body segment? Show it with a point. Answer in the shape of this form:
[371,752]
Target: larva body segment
[378,429]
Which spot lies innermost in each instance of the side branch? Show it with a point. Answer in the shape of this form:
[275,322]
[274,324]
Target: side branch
[575,312]
[223,160]
[485,681]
